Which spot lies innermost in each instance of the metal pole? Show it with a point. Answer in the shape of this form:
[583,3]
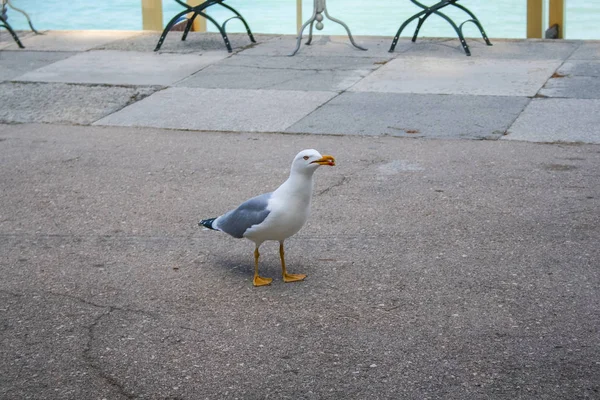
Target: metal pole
[152,15]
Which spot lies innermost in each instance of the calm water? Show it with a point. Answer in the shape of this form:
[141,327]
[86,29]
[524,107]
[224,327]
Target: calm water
[501,19]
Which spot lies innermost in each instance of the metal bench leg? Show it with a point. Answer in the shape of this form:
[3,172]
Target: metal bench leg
[435,10]
[475,21]
[408,21]
[199,11]
[170,25]
[4,24]
[418,28]
[427,12]
[188,26]
[239,16]
[220,28]
[458,30]
[9,3]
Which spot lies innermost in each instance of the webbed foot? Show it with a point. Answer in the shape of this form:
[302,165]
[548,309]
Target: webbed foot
[260,281]
[287,278]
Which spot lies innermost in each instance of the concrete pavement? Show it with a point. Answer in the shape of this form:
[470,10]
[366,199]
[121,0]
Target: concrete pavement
[442,269]
[540,91]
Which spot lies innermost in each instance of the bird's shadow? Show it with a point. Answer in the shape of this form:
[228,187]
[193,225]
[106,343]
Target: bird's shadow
[241,266]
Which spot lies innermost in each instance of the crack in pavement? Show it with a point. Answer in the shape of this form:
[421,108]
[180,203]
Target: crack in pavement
[110,307]
[337,184]
[91,336]
[90,360]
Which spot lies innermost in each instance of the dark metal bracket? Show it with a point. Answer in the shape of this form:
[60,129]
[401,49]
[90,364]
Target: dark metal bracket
[199,10]
[435,9]
[4,21]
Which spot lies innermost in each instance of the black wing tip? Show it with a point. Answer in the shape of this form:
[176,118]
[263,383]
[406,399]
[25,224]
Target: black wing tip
[207,223]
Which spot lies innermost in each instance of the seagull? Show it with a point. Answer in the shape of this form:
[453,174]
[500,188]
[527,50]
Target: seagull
[276,215]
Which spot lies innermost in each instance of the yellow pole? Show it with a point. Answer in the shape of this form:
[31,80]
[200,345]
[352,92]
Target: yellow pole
[199,23]
[152,15]
[535,19]
[556,15]
[298,15]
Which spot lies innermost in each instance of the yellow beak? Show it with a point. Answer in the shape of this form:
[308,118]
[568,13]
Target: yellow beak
[325,160]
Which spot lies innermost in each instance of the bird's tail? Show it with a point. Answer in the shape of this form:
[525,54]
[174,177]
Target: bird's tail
[207,223]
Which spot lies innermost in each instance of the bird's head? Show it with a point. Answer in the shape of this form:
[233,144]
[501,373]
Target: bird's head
[310,160]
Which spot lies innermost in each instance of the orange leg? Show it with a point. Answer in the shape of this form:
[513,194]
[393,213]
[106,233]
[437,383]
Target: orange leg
[288,277]
[259,280]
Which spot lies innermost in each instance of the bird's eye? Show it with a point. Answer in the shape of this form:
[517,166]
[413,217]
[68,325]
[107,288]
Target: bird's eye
[306,157]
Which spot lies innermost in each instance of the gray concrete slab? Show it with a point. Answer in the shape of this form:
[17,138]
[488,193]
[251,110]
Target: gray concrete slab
[220,109]
[413,115]
[7,40]
[286,73]
[333,62]
[558,120]
[63,103]
[123,68]
[589,50]
[323,45]
[577,87]
[196,42]
[508,49]
[15,63]
[575,79]
[71,40]
[590,68]
[465,76]
[226,77]
[437,269]
[531,49]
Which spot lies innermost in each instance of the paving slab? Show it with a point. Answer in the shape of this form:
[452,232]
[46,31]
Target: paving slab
[590,68]
[226,77]
[414,115]
[323,45]
[430,75]
[15,63]
[285,73]
[438,269]
[63,103]
[576,87]
[589,50]
[220,109]
[544,120]
[123,68]
[332,62]
[7,40]
[196,42]
[531,49]
[575,79]
[72,40]
[431,47]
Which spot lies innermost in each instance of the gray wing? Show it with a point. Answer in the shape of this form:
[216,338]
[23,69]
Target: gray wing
[249,213]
